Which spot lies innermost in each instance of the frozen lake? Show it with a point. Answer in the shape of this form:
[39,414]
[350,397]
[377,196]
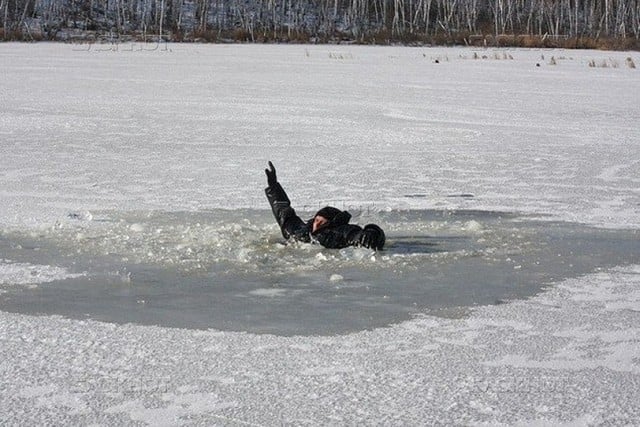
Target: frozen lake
[143,279]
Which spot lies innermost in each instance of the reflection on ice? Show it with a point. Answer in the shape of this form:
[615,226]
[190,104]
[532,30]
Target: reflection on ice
[232,270]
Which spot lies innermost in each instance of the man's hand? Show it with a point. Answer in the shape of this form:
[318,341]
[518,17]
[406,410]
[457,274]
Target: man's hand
[372,237]
[271,175]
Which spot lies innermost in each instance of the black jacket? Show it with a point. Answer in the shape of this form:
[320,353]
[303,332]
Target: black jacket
[336,234]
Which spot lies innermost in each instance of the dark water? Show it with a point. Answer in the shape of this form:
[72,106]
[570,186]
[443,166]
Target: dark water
[230,270]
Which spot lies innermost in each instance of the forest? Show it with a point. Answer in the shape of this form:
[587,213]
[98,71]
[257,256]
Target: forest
[613,24]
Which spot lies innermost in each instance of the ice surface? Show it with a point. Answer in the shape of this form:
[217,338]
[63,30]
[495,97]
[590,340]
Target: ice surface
[192,128]
[189,128]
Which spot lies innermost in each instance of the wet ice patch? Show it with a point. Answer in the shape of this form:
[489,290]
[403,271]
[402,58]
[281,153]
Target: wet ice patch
[232,270]
[29,274]
[269,293]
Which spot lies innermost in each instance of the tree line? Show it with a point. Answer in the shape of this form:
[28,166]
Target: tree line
[366,21]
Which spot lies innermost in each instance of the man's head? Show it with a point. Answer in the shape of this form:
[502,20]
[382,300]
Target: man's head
[323,217]
[318,222]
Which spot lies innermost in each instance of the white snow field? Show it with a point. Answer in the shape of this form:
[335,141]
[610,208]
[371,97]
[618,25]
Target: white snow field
[98,142]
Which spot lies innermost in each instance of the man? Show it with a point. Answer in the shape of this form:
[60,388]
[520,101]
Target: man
[329,226]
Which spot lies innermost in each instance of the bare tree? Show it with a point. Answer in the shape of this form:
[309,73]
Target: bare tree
[324,19]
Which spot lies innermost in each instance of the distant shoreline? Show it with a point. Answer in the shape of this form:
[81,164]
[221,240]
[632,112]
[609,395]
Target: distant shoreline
[588,24]
[475,41]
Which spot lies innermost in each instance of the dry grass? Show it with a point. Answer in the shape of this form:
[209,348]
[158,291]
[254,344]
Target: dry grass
[382,36]
[611,63]
[499,56]
[340,55]
[544,41]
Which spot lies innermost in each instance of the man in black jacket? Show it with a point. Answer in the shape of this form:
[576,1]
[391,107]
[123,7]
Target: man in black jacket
[329,226]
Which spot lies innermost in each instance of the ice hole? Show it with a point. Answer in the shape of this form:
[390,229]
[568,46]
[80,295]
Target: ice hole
[231,270]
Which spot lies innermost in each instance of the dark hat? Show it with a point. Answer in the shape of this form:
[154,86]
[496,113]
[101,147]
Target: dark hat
[328,212]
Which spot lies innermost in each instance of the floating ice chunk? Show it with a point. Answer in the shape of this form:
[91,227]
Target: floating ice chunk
[321,257]
[473,226]
[268,292]
[137,227]
[336,278]
[355,253]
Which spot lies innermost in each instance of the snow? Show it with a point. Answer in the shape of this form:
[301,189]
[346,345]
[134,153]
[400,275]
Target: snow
[190,128]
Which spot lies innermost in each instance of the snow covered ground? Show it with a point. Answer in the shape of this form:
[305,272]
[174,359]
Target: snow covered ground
[133,128]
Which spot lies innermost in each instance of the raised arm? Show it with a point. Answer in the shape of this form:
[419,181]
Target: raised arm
[290,223]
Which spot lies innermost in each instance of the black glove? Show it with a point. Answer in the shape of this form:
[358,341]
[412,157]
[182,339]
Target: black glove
[271,175]
[372,237]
